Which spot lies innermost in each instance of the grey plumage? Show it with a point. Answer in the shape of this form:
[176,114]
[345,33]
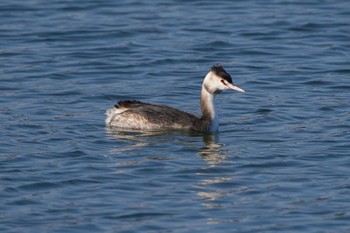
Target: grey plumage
[155,116]
[133,114]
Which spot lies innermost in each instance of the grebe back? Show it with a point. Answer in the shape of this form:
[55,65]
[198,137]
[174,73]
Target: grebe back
[133,114]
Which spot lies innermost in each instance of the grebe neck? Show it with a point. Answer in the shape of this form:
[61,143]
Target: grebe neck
[209,113]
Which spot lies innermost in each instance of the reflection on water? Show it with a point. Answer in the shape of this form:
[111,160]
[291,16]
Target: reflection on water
[133,134]
[211,151]
[214,155]
[206,145]
[208,193]
[134,138]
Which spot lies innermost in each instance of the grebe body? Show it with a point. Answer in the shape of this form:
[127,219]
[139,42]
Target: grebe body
[133,114]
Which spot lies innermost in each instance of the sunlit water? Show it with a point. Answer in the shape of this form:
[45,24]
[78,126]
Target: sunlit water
[279,163]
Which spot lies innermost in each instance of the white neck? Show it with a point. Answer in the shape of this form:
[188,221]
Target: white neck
[208,108]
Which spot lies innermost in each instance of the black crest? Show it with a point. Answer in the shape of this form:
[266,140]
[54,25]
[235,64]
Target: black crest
[128,104]
[219,71]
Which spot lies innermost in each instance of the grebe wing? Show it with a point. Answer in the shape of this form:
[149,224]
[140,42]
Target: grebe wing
[126,104]
[137,114]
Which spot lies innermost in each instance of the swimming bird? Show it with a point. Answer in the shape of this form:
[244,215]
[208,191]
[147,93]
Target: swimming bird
[133,114]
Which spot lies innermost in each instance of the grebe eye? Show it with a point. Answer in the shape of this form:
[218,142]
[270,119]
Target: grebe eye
[223,82]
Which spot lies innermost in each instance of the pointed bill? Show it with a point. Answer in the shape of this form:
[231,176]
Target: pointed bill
[232,87]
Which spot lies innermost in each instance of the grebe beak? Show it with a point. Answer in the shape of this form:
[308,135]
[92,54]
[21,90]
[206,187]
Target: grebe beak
[232,87]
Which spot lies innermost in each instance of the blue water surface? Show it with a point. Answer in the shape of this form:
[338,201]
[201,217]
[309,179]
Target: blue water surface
[279,163]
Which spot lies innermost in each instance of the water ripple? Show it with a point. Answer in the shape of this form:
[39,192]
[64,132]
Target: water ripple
[278,163]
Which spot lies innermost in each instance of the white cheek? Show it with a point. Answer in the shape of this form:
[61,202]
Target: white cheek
[220,86]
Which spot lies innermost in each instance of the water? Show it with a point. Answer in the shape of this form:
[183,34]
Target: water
[279,163]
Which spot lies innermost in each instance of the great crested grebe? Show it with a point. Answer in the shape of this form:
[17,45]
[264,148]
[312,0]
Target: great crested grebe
[133,114]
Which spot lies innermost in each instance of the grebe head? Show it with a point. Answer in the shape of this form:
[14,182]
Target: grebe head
[218,80]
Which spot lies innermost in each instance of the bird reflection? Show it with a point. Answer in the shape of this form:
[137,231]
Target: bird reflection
[205,145]
[211,152]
